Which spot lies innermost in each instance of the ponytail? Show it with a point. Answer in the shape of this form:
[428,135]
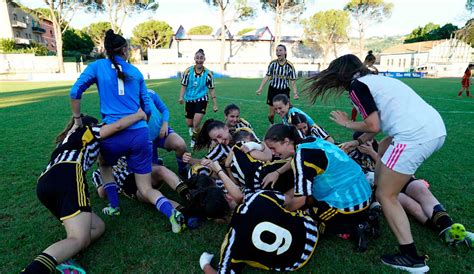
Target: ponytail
[114,44]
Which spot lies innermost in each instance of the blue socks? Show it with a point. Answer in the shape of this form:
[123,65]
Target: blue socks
[112,194]
[164,206]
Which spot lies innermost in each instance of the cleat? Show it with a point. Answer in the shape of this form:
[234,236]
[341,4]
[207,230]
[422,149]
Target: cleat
[178,222]
[405,262]
[361,236]
[111,211]
[454,234]
[192,143]
[70,267]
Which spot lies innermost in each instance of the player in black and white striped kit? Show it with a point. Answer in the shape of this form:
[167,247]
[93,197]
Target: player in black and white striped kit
[281,74]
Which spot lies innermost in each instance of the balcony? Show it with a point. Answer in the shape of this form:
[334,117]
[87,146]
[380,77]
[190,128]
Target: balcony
[18,24]
[38,29]
[22,41]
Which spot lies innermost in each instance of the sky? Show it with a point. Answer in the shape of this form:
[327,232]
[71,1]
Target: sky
[406,16]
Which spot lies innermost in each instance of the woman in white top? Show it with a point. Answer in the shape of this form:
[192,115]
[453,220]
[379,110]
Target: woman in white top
[415,130]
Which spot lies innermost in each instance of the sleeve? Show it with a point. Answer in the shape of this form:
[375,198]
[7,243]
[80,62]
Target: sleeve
[292,72]
[144,98]
[270,69]
[362,98]
[160,105]
[217,153]
[225,263]
[97,178]
[210,80]
[279,198]
[185,77]
[319,132]
[85,80]
[96,131]
[307,164]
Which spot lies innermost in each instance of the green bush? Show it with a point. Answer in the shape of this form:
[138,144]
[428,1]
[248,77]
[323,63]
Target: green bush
[7,45]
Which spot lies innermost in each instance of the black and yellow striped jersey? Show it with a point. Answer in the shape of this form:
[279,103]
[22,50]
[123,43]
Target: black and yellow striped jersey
[280,75]
[80,147]
[243,167]
[265,235]
[218,152]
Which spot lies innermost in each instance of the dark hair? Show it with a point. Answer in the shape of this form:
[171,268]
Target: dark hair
[86,121]
[370,57]
[241,135]
[113,44]
[281,98]
[283,46]
[207,200]
[230,108]
[278,133]
[200,51]
[297,118]
[202,139]
[336,78]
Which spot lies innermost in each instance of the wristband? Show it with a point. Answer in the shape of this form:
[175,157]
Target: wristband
[276,170]
[219,171]
[77,117]
[213,97]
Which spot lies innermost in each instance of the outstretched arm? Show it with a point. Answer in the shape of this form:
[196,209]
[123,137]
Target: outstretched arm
[264,81]
[123,123]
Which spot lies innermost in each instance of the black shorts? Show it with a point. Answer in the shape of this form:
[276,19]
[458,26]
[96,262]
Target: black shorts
[129,187]
[272,92]
[192,108]
[63,190]
[330,220]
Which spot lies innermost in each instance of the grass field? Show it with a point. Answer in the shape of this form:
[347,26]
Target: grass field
[140,240]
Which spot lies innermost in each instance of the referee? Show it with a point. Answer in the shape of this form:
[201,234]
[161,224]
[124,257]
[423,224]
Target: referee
[281,73]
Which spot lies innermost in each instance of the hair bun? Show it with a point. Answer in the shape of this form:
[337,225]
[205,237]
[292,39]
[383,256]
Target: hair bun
[370,52]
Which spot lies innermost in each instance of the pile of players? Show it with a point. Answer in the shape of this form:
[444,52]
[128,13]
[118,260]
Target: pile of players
[279,195]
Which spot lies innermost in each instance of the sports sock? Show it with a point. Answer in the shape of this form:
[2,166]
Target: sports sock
[43,263]
[409,249]
[190,131]
[164,206]
[429,224]
[112,194]
[441,218]
[181,165]
[183,191]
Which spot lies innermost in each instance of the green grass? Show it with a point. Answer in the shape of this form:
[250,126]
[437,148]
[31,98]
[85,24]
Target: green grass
[140,240]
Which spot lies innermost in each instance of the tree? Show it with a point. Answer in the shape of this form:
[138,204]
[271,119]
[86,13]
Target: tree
[78,41]
[282,8]
[470,6]
[326,29]
[431,32]
[60,13]
[97,33]
[367,12]
[200,30]
[117,10]
[152,34]
[240,11]
[244,30]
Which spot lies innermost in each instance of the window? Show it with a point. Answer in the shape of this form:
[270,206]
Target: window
[15,18]
[388,62]
[399,62]
[391,62]
[404,62]
[17,34]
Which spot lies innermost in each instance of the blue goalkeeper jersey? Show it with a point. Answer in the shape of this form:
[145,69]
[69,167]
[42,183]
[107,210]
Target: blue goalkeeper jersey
[159,114]
[118,98]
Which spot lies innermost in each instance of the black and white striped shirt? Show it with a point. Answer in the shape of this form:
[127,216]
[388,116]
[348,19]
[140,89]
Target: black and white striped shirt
[291,236]
[218,153]
[120,172]
[80,147]
[280,75]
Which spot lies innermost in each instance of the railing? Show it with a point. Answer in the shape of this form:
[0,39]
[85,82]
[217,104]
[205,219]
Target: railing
[38,29]
[22,41]
[18,24]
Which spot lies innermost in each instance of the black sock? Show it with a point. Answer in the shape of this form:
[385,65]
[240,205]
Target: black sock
[183,191]
[43,263]
[429,224]
[409,249]
[441,218]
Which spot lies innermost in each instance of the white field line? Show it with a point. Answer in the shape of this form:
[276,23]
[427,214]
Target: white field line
[348,107]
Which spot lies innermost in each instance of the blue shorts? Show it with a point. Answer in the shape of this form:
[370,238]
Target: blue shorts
[159,143]
[132,143]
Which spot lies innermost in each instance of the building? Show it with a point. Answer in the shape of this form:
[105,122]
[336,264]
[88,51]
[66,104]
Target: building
[16,23]
[441,58]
